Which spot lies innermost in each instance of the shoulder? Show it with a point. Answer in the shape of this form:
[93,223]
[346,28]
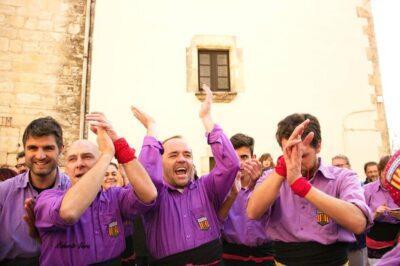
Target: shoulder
[10,184]
[371,186]
[50,194]
[339,174]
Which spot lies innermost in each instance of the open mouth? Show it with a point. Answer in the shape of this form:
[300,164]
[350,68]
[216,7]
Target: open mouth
[181,171]
[111,180]
[79,175]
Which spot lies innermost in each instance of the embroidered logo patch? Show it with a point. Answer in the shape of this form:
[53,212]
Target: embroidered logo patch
[322,218]
[113,229]
[203,223]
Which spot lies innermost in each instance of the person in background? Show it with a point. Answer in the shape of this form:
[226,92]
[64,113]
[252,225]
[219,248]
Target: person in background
[266,161]
[6,173]
[341,161]
[382,236]
[357,252]
[392,185]
[21,166]
[113,178]
[245,241]
[371,172]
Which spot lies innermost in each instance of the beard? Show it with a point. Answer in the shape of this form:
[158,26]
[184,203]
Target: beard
[43,172]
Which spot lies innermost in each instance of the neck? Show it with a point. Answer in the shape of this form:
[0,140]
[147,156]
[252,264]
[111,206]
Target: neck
[245,181]
[310,173]
[43,181]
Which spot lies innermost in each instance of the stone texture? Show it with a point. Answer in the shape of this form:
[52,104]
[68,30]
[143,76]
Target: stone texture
[41,60]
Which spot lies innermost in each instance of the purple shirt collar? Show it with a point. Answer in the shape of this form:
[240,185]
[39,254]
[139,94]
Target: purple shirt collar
[23,180]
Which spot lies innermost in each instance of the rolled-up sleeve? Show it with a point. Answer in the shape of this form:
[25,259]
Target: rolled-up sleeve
[351,191]
[47,210]
[219,181]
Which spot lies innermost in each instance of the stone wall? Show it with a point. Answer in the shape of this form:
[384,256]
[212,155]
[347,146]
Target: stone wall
[41,62]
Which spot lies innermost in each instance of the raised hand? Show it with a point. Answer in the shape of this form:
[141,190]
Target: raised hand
[29,218]
[147,121]
[252,168]
[293,151]
[104,141]
[98,119]
[205,110]
[206,105]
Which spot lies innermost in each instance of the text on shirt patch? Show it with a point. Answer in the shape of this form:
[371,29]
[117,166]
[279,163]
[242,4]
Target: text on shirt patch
[322,218]
[203,223]
[113,229]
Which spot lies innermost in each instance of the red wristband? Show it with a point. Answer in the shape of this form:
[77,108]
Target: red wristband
[301,187]
[280,167]
[123,152]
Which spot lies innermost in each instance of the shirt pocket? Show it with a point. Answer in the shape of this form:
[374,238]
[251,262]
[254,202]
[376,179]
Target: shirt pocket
[202,222]
[111,227]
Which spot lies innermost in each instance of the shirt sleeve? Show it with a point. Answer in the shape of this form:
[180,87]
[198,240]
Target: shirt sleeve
[47,210]
[351,191]
[129,204]
[219,181]
[150,158]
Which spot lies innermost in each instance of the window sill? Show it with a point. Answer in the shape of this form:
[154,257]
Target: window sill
[218,96]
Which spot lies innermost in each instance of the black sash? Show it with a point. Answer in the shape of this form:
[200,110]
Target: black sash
[246,251]
[381,231]
[204,254]
[20,262]
[311,253]
[111,262]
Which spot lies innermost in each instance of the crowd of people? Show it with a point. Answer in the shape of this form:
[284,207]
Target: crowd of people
[151,208]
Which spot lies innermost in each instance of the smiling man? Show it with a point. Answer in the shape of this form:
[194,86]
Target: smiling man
[43,144]
[84,224]
[183,228]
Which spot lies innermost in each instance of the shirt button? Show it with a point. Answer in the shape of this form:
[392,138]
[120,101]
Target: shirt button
[187,236]
[301,228]
[96,232]
[184,216]
[303,207]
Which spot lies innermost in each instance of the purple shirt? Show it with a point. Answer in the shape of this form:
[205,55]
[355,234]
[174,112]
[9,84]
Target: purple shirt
[294,219]
[183,221]
[376,196]
[392,258]
[238,228]
[97,236]
[14,233]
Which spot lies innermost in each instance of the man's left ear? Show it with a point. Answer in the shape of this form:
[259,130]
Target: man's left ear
[254,156]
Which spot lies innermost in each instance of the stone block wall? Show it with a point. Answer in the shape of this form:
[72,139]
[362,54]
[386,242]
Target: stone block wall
[41,62]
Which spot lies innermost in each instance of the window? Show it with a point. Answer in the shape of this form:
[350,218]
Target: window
[214,69]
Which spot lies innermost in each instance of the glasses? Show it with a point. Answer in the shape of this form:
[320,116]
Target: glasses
[20,165]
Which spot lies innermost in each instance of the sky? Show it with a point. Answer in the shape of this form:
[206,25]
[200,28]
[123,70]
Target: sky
[387,32]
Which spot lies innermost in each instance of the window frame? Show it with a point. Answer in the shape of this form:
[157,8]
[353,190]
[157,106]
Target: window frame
[214,68]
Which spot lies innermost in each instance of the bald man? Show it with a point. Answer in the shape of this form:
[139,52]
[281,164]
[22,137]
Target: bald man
[84,225]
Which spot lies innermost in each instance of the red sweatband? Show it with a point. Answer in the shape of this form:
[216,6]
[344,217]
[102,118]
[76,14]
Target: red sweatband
[123,152]
[280,167]
[301,187]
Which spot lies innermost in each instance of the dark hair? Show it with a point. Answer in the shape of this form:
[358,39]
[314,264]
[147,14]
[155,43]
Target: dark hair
[368,164]
[114,164]
[241,140]
[6,173]
[266,156]
[44,126]
[289,123]
[20,154]
[382,163]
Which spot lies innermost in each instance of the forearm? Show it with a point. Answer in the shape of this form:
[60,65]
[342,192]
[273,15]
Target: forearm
[140,181]
[344,213]
[208,123]
[264,195]
[226,205]
[79,197]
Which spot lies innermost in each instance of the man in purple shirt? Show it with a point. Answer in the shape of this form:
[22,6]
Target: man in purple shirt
[382,236]
[245,241]
[313,208]
[183,226]
[43,144]
[392,184]
[84,225]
